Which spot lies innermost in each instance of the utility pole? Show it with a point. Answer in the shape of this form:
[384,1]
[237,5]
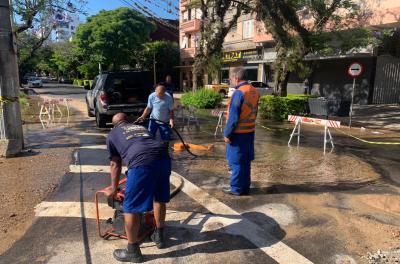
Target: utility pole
[11,142]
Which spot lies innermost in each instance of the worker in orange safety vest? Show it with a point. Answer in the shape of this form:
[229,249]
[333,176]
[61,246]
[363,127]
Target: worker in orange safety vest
[239,132]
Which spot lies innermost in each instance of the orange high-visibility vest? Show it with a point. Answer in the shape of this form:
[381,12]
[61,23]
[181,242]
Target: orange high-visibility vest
[248,111]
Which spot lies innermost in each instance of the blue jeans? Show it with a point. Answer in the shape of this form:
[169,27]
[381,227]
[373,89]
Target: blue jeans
[165,130]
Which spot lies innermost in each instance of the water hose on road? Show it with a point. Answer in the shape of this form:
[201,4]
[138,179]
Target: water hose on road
[177,133]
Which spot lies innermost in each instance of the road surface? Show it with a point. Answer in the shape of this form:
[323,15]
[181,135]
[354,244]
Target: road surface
[303,207]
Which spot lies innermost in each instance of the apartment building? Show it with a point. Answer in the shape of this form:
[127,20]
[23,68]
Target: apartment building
[249,45]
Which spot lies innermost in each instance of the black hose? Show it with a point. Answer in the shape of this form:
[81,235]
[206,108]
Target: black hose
[177,133]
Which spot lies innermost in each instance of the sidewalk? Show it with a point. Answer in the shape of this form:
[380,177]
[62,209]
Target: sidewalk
[386,117]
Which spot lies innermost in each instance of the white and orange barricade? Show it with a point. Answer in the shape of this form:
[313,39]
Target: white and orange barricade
[298,120]
[220,124]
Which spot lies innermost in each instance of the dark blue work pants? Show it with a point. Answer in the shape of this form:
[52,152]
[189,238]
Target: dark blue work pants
[240,153]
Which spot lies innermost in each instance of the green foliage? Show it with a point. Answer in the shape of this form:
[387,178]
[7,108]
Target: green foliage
[65,58]
[23,99]
[278,108]
[31,58]
[112,38]
[166,55]
[203,98]
[334,32]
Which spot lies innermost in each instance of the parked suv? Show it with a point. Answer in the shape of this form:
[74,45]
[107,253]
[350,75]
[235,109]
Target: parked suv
[115,92]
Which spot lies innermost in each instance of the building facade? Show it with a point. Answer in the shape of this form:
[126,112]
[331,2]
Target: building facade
[249,45]
[66,25]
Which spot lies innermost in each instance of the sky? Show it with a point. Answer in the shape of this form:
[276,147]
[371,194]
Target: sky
[158,7]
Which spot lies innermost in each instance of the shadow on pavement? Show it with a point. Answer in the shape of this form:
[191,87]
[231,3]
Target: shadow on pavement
[220,240]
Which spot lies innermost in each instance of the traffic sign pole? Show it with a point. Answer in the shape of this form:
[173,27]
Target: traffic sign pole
[356,69]
[352,101]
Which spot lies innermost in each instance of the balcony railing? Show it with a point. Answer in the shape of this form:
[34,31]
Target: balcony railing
[190,26]
[188,53]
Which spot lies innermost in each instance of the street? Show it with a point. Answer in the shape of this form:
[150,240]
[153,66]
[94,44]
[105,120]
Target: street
[304,207]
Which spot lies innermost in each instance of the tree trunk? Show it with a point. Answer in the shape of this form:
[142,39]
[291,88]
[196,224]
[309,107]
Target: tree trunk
[194,85]
[283,80]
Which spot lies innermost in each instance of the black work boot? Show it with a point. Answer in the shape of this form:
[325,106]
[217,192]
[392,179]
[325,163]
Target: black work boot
[130,254]
[158,237]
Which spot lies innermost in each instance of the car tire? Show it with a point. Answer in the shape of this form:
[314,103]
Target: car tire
[89,113]
[101,120]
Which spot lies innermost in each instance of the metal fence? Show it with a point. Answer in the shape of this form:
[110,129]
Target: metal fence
[387,81]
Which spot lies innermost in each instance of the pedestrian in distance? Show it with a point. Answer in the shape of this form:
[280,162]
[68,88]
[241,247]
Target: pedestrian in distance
[147,186]
[160,107]
[169,85]
[239,133]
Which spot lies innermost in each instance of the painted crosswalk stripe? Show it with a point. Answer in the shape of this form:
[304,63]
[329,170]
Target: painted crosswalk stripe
[227,218]
[202,222]
[93,147]
[271,246]
[91,169]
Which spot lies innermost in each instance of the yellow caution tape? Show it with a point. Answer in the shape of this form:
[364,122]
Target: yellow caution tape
[6,100]
[367,141]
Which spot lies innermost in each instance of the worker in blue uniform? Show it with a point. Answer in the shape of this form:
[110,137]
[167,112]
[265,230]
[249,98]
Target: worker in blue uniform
[239,133]
[147,185]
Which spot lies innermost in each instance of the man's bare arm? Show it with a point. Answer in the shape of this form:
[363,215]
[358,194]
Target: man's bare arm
[145,114]
[115,169]
[171,118]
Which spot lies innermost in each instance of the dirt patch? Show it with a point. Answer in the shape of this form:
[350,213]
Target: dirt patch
[344,216]
[29,178]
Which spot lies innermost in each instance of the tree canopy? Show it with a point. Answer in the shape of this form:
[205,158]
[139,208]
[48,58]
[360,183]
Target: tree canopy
[36,21]
[166,55]
[299,28]
[112,38]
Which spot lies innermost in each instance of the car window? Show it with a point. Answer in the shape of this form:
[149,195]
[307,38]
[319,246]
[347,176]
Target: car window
[94,82]
[256,84]
[100,82]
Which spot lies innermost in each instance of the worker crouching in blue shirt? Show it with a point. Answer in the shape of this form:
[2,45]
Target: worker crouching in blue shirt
[147,186]
[239,133]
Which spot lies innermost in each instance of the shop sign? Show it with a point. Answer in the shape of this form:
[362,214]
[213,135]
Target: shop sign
[232,56]
[247,55]
[250,55]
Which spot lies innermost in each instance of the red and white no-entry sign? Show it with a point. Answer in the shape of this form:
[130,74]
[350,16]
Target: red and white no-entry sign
[355,69]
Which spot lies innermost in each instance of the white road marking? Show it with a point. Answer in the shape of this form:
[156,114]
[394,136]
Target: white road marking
[91,168]
[225,218]
[73,210]
[93,147]
[271,246]
[93,134]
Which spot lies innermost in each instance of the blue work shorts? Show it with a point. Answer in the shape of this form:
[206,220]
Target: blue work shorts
[146,184]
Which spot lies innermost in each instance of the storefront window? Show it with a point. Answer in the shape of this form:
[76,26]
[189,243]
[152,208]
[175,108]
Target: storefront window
[252,74]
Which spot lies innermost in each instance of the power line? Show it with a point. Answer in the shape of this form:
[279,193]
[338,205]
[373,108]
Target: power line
[143,11]
[148,12]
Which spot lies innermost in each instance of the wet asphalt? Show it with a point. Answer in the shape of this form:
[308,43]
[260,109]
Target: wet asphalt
[304,199]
